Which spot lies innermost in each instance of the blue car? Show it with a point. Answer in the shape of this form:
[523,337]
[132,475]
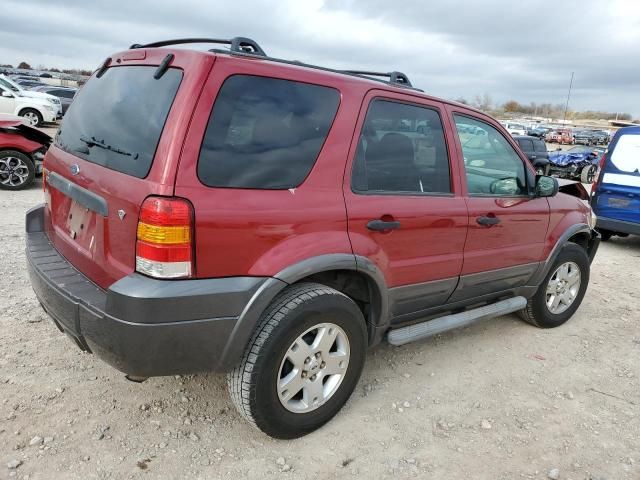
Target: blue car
[578,163]
[616,197]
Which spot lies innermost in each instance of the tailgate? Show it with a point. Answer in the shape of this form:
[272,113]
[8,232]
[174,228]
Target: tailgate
[119,143]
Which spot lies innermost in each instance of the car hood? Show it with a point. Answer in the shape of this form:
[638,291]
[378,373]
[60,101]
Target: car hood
[18,124]
[564,158]
[38,101]
[42,95]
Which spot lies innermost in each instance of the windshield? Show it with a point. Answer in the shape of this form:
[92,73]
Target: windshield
[626,154]
[9,84]
[116,120]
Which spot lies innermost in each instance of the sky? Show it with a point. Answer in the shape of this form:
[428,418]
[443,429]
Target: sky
[508,49]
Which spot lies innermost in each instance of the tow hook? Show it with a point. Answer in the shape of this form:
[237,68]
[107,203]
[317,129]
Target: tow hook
[134,379]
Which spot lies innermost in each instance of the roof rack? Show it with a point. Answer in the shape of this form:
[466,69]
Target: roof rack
[237,44]
[394,77]
[246,46]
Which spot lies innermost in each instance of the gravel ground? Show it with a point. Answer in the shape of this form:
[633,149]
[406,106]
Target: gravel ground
[497,400]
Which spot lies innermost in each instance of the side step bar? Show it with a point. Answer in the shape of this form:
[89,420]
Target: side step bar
[449,322]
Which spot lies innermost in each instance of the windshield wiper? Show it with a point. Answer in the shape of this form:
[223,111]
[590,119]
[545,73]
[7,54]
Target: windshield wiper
[93,142]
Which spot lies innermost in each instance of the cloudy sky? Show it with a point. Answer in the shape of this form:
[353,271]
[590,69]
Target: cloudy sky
[450,48]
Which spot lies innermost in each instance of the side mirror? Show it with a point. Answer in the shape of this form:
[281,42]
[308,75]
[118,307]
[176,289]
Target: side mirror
[7,94]
[546,186]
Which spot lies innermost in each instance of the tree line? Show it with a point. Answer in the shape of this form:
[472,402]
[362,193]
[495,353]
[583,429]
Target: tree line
[42,68]
[549,110]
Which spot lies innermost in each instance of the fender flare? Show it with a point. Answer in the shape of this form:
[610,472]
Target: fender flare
[545,266]
[250,316]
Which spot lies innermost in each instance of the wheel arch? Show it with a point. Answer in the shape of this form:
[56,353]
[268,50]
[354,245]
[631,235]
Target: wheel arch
[357,277]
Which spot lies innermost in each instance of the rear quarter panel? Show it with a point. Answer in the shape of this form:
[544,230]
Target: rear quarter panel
[260,232]
[14,141]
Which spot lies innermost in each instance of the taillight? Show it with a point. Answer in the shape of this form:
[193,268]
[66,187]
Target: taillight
[164,247]
[596,180]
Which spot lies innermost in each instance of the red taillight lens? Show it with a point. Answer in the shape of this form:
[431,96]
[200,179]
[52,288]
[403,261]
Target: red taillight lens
[599,174]
[164,247]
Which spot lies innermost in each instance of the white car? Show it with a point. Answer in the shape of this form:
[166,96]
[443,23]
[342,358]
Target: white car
[14,87]
[515,128]
[34,110]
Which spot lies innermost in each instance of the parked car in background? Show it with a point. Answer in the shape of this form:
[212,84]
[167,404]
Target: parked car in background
[584,137]
[515,128]
[34,110]
[23,92]
[30,83]
[22,149]
[538,132]
[62,94]
[616,196]
[578,163]
[602,137]
[563,137]
[302,216]
[536,151]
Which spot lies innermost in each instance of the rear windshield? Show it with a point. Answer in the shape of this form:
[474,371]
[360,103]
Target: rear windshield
[265,133]
[116,120]
[626,154]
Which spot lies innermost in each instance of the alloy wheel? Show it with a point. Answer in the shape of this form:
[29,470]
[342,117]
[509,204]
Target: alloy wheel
[13,171]
[313,368]
[563,287]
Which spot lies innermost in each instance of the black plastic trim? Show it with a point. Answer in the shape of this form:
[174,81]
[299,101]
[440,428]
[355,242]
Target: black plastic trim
[81,195]
[484,283]
[409,299]
[618,225]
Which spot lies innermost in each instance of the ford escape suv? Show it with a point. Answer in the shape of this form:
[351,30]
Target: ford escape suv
[228,211]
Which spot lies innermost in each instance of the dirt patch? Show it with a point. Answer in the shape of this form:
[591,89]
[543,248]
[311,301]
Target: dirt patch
[498,400]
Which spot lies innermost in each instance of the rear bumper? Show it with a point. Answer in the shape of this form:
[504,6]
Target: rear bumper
[146,327]
[619,226]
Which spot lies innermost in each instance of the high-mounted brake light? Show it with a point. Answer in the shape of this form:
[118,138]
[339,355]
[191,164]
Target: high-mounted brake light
[164,247]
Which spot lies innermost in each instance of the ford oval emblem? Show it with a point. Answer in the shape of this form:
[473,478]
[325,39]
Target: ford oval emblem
[75,169]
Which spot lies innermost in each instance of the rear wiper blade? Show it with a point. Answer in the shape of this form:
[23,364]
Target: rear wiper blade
[94,142]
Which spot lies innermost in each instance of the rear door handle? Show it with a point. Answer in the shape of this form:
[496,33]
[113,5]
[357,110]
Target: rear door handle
[488,221]
[381,225]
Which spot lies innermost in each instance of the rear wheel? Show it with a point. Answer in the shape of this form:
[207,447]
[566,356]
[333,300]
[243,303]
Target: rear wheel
[32,116]
[16,170]
[562,291]
[302,363]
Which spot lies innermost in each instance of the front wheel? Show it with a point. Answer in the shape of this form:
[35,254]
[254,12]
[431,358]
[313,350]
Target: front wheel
[588,173]
[562,291]
[303,362]
[17,170]
[32,116]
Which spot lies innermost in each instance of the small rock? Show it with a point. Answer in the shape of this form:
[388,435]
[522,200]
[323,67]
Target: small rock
[570,395]
[194,437]
[554,474]
[187,421]
[406,404]
[13,464]
[144,407]
[281,461]
[406,375]
[411,460]
[400,410]
[35,441]
[48,439]
[485,424]
[285,468]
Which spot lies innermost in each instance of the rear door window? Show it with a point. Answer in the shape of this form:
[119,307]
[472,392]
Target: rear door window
[626,154]
[265,133]
[539,146]
[117,119]
[526,144]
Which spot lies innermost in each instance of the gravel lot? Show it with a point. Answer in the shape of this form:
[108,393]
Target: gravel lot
[497,400]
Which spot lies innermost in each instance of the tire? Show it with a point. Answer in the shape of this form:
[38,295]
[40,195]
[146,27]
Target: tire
[537,312]
[588,173]
[32,116]
[17,170]
[254,384]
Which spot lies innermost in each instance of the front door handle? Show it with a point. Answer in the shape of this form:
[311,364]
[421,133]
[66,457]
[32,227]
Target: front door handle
[381,225]
[488,221]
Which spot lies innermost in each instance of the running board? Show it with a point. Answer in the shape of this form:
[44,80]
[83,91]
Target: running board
[449,322]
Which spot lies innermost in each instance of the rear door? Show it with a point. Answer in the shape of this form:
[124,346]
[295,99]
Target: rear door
[618,194]
[119,143]
[403,199]
[507,227]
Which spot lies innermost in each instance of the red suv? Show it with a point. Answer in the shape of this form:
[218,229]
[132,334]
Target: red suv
[227,211]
